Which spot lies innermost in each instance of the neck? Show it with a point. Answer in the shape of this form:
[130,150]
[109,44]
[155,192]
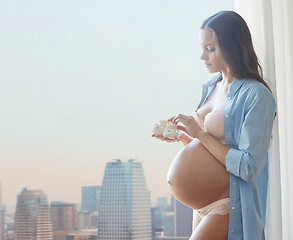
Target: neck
[228,78]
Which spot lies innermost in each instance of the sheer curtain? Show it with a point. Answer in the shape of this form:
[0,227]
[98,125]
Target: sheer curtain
[271,24]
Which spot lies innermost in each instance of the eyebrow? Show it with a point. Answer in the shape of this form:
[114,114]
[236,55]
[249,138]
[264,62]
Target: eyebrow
[209,44]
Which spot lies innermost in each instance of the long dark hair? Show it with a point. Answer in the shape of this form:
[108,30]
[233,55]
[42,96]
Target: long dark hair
[236,45]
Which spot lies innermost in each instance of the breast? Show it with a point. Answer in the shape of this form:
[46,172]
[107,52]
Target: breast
[196,178]
[214,123]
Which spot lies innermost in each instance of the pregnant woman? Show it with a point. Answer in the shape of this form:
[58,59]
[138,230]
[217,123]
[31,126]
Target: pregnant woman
[222,171]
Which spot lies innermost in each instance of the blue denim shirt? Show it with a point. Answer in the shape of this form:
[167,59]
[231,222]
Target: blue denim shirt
[248,121]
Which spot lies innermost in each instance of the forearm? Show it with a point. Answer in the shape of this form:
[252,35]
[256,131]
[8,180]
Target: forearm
[214,146]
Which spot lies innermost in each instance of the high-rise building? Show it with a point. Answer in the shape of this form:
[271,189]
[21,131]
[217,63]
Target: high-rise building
[87,220]
[157,220]
[2,216]
[169,224]
[84,220]
[64,219]
[162,202]
[125,203]
[90,196]
[173,202]
[32,217]
[2,223]
[183,221]
[172,222]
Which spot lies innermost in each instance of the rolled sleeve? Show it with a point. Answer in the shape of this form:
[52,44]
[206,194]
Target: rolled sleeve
[233,165]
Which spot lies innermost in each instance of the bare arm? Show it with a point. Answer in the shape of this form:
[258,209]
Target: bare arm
[214,146]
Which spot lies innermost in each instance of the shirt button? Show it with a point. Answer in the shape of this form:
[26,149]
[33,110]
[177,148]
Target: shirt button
[229,98]
[227,116]
[233,208]
[233,183]
[228,138]
[232,230]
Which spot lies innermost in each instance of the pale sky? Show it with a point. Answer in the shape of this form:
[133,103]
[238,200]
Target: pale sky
[83,82]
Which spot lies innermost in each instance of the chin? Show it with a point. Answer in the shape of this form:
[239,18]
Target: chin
[213,70]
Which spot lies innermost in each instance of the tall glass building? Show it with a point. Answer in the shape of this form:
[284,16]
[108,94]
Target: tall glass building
[90,196]
[125,208]
[32,217]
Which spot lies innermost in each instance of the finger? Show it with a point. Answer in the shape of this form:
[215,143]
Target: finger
[183,129]
[169,140]
[176,119]
[171,119]
[157,136]
[160,137]
[179,118]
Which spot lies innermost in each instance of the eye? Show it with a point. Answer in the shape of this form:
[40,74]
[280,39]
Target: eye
[211,49]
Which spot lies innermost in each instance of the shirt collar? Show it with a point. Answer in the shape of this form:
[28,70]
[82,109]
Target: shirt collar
[213,81]
[235,85]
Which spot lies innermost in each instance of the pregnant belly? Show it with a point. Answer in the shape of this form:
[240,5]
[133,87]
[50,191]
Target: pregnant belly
[196,178]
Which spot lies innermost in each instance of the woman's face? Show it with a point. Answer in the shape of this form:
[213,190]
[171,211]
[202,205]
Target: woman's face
[211,53]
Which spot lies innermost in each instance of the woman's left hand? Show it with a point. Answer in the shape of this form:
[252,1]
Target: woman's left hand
[191,127]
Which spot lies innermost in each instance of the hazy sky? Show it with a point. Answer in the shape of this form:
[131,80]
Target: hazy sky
[83,82]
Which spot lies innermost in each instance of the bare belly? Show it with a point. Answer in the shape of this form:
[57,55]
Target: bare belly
[196,178]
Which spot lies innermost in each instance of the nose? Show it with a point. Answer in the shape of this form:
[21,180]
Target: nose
[203,56]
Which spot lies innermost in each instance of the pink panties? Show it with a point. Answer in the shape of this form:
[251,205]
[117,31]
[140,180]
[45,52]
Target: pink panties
[220,207]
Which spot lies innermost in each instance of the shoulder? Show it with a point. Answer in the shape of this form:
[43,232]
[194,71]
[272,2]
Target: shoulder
[254,93]
[255,90]
[253,84]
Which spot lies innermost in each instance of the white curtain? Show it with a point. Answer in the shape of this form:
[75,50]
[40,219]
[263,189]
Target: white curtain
[271,25]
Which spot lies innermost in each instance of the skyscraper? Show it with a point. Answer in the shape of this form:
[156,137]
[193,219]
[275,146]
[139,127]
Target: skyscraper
[124,203]
[2,216]
[90,196]
[32,216]
[2,222]
[172,222]
[64,219]
[183,221]
[169,224]
[87,220]
[162,202]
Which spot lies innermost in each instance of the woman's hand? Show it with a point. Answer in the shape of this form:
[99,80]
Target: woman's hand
[190,127]
[180,136]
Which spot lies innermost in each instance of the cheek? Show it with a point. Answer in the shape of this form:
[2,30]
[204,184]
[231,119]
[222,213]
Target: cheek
[218,60]
[213,59]
[217,63]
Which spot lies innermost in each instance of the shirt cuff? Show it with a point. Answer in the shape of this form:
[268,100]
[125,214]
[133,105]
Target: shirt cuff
[233,159]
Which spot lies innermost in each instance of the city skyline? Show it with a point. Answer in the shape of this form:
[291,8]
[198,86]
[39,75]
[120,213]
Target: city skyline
[84,82]
[125,204]
[155,203]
